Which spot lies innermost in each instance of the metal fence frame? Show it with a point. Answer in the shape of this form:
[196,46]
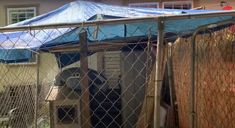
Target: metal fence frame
[193,63]
[159,57]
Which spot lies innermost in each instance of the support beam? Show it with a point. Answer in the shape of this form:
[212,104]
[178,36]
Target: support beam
[118,21]
[159,72]
[85,109]
[100,46]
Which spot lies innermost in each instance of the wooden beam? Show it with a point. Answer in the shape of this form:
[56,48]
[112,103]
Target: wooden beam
[85,108]
[51,112]
[91,48]
[100,46]
[159,73]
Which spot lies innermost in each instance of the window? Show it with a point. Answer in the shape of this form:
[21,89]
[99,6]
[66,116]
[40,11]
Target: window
[67,114]
[177,5]
[145,5]
[26,57]
[15,15]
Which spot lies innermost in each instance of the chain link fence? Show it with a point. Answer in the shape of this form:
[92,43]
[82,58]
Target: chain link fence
[108,80]
[99,83]
[214,72]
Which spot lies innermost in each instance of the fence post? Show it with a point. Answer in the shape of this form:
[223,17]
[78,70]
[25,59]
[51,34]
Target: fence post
[170,74]
[159,72]
[85,113]
[36,91]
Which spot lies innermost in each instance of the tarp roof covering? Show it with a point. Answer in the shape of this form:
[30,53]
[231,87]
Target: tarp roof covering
[13,43]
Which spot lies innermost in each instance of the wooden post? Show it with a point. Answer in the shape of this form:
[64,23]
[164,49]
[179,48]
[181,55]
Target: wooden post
[159,72]
[100,62]
[85,108]
[51,110]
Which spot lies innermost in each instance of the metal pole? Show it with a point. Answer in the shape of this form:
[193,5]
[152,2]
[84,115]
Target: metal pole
[119,21]
[36,91]
[158,77]
[192,92]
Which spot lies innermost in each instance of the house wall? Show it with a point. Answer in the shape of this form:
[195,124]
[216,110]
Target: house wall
[17,86]
[112,2]
[42,5]
[208,4]
[215,4]
[196,3]
[25,74]
[16,75]
[126,2]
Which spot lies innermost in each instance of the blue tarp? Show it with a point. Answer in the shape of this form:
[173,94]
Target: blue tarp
[82,11]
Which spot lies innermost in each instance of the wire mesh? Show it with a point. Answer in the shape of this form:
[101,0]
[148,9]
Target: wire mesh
[111,85]
[91,76]
[214,79]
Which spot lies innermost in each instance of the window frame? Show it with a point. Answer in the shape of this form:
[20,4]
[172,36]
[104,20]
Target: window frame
[10,8]
[143,4]
[177,2]
[33,61]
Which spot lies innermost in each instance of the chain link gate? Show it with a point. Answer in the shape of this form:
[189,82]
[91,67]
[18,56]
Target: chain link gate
[214,83]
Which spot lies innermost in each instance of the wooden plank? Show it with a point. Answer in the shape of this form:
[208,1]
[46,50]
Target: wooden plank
[85,110]
[113,58]
[111,73]
[100,62]
[112,61]
[114,64]
[113,54]
[159,73]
